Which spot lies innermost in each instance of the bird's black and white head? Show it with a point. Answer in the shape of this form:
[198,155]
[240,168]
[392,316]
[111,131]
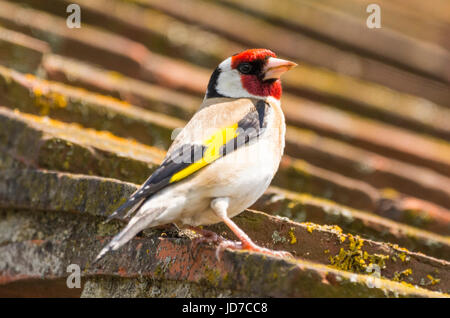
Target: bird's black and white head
[252,73]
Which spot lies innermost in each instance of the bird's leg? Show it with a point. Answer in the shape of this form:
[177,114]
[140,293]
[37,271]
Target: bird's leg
[220,206]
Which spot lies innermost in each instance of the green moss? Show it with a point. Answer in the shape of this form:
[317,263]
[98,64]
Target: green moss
[417,218]
[277,238]
[35,96]
[213,276]
[107,229]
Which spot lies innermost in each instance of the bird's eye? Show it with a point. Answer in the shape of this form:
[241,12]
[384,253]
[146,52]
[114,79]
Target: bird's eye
[245,68]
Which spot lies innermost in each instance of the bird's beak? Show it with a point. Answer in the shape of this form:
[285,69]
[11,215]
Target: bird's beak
[275,67]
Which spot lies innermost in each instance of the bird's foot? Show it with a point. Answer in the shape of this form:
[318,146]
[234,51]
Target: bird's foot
[207,236]
[249,245]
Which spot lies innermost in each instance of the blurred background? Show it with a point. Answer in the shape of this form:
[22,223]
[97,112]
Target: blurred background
[368,109]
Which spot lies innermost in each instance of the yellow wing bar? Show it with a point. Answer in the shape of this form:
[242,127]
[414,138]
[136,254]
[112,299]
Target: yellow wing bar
[213,145]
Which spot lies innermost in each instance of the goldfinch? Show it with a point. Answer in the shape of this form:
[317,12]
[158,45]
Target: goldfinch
[224,158]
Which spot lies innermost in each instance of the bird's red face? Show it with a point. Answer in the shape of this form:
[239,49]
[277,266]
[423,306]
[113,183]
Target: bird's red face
[252,73]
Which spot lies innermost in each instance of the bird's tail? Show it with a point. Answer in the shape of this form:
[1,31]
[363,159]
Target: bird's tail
[136,224]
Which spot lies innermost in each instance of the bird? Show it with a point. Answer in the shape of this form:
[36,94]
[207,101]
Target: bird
[222,161]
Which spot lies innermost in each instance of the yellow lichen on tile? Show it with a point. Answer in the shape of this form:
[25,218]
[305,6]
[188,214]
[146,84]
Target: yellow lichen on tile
[398,276]
[356,260]
[291,204]
[433,281]
[403,257]
[310,226]
[292,236]
[407,284]
[46,100]
[389,193]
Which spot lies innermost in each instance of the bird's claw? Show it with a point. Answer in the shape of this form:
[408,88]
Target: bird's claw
[207,237]
[227,244]
[223,244]
[249,246]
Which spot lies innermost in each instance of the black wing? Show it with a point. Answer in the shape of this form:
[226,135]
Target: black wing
[177,161]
